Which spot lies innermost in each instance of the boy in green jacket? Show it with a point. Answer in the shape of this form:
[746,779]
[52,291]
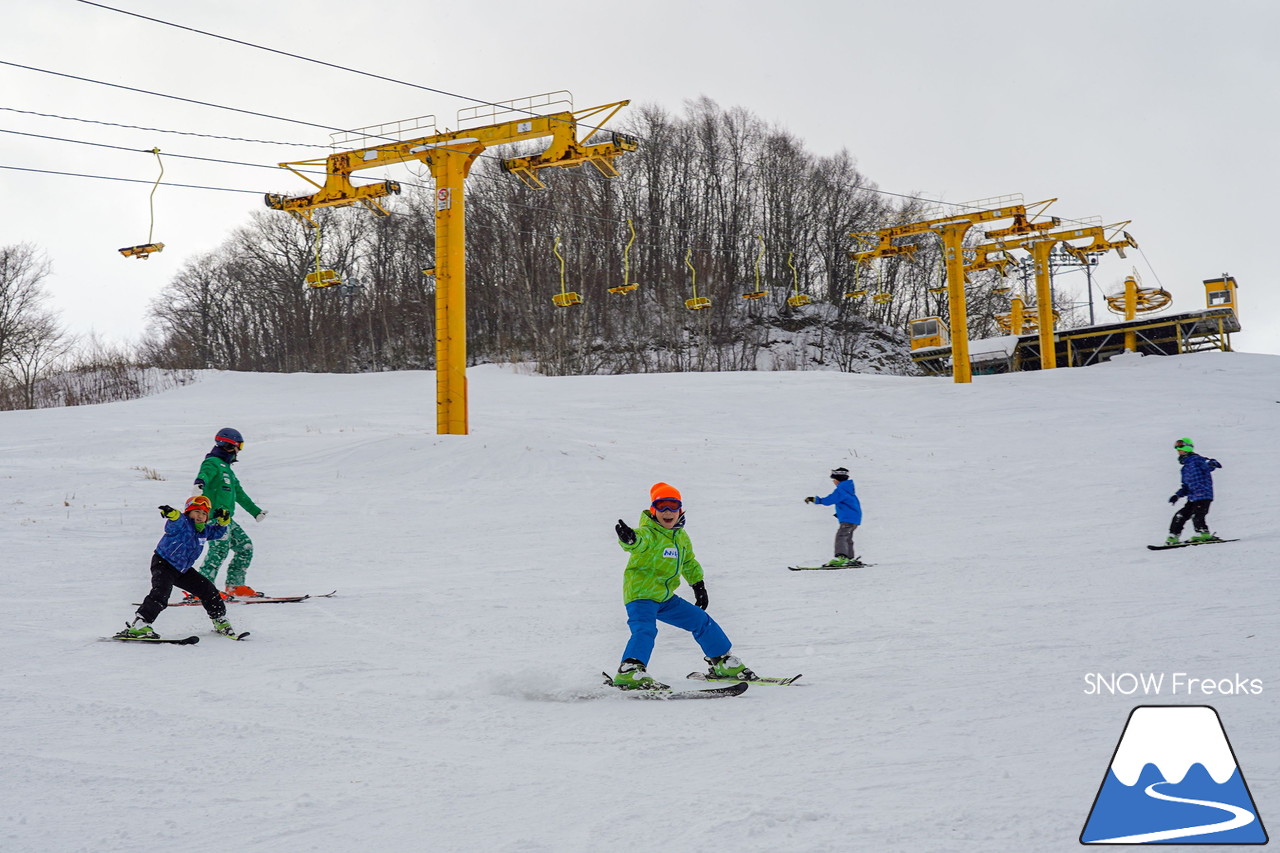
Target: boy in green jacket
[660,553]
[217,482]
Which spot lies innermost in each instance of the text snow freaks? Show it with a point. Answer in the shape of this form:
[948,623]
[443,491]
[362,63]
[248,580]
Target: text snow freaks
[1170,684]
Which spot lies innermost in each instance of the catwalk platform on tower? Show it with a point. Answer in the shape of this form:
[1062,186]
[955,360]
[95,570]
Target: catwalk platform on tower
[1208,328]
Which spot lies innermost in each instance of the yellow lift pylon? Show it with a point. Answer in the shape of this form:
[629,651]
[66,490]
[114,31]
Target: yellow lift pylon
[1040,244]
[147,249]
[1134,300]
[627,284]
[950,231]
[450,156]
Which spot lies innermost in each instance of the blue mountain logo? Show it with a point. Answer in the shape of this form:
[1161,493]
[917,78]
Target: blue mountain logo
[1173,779]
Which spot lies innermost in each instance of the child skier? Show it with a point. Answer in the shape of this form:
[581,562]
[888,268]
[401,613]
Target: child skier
[217,482]
[848,513]
[1197,488]
[660,553]
[171,566]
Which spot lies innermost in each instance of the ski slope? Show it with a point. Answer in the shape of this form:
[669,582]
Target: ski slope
[446,699]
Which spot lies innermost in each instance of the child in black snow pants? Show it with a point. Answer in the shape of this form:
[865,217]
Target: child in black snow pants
[183,540]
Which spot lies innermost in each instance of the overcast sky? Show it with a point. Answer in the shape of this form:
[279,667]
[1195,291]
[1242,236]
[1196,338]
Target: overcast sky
[1163,112]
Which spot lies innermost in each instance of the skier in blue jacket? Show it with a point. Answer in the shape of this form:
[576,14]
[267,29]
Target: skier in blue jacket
[848,513]
[1197,488]
[184,536]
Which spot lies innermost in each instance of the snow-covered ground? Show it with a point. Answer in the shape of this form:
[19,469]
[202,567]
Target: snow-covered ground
[446,699]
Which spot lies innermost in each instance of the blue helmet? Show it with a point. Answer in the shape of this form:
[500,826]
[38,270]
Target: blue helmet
[230,436]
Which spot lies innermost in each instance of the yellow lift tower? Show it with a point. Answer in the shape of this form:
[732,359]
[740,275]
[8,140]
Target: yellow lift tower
[450,156]
[1040,244]
[1134,300]
[951,231]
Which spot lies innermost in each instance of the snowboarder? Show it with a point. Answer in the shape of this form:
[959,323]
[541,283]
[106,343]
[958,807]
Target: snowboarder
[1197,488]
[661,553]
[217,482]
[848,514]
[184,536]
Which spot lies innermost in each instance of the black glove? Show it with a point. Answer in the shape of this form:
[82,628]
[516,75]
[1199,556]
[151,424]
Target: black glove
[222,517]
[700,594]
[1173,500]
[169,512]
[808,500]
[625,534]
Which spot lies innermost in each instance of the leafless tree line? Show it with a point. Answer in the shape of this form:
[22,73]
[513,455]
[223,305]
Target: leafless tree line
[715,196]
[41,365]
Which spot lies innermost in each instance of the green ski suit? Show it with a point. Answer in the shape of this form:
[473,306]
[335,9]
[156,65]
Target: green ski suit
[219,484]
[658,558]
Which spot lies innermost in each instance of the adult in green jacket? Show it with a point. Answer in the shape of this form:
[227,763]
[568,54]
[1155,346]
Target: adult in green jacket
[660,554]
[217,482]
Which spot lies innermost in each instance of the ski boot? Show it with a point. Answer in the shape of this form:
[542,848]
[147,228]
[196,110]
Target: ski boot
[243,591]
[1202,536]
[839,561]
[223,627]
[138,630]
[729,667]
[1173,540]
[632,676]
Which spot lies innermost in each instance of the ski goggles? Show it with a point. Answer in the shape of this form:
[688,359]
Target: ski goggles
[666,505]
[1184,445]
[238,445]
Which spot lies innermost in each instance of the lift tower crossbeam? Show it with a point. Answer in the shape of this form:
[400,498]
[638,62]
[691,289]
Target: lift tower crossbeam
[1040,244]
[450,156]
[951,231]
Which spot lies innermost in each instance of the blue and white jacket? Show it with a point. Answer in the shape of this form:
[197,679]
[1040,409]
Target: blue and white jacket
[182,542]
[845,500]
[1197,481]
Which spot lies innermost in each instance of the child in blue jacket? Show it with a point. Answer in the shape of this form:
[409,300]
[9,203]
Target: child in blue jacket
[184,536]
[1197,488]
[848,513]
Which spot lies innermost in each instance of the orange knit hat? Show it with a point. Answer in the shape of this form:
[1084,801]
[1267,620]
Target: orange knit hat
[663,490]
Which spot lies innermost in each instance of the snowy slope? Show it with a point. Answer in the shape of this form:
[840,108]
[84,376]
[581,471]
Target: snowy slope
[446,699]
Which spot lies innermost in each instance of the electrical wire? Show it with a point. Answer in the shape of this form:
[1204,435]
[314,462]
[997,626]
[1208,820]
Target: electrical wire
[163,130]
[333,65]
[125,180]
[171,97]
[384,78]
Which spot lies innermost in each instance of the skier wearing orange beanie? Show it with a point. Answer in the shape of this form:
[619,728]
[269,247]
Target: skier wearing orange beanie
[660,554]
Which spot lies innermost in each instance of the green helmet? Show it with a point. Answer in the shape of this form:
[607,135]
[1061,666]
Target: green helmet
[1185,444]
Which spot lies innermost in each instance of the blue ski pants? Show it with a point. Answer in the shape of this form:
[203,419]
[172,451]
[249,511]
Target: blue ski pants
[643,616]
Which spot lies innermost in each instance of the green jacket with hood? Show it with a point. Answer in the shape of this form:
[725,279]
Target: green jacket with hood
[221,486]
[658,558]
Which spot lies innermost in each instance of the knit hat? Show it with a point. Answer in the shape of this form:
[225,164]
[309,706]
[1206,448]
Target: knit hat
[663,490]
[839,473]
[198,502]
[1185,444]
